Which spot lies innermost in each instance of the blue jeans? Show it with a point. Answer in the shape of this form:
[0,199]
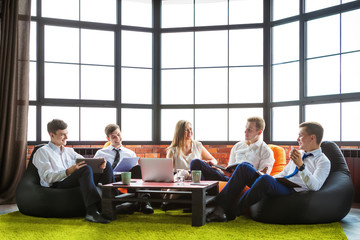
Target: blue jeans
[260,185]
[207,172]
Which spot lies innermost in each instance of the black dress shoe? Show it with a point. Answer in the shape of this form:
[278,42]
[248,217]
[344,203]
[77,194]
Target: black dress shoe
[218,215]
[230,217]
[96,218]
[126,208]
[146,208]
[215,217]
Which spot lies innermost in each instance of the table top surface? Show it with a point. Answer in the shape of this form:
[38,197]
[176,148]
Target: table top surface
[138,183]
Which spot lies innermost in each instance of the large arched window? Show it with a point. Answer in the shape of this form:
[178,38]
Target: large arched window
[145,64]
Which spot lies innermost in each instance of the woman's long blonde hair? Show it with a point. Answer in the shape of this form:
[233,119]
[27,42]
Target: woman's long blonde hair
[178,142]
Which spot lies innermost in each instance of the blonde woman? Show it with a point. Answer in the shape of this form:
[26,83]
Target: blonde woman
[184,149]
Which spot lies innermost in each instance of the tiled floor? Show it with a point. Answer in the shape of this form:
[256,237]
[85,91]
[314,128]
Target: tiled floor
[350,224]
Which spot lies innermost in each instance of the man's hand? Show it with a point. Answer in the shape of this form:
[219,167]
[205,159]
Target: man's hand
[264,171]
[295,155]
[75,167]
[103,165]
[229,173]
[211,162]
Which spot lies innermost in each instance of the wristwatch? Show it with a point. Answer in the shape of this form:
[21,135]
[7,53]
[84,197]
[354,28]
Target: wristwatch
[302,167]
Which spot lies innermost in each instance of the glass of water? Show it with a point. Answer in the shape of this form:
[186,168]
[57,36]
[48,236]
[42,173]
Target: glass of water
[180,176]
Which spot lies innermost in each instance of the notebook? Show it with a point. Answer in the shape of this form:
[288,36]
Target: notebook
[125,165]
[94,163]
[157,169]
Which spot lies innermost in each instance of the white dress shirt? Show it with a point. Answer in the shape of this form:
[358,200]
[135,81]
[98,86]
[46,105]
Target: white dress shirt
[317,169]
[109,154]
[52,163]
[182,161]
[258,154]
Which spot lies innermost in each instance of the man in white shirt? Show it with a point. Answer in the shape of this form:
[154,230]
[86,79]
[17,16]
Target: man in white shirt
[57,168]
[114,154]
[306,171]
[252,150]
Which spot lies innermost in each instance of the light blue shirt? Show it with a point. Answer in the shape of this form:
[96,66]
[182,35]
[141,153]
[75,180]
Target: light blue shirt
[317,169]
[258,154]
[52,163]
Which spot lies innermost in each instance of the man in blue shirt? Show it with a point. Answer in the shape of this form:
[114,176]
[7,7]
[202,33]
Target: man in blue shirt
[306,171]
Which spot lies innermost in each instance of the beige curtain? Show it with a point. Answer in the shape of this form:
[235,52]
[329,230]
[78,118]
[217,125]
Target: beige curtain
[14,94]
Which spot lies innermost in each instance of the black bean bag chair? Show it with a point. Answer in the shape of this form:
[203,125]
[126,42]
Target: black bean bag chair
[330,204]
[34,200]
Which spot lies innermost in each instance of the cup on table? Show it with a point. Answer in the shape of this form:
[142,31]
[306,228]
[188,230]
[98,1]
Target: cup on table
[196,176]
[126,177]
[180,176]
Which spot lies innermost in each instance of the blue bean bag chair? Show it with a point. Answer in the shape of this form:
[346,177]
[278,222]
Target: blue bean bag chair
[330,204]
[34,200]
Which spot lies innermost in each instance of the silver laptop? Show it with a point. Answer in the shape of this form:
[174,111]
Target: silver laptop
[157,169]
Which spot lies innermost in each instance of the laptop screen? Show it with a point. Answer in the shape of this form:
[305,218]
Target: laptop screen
[157,169]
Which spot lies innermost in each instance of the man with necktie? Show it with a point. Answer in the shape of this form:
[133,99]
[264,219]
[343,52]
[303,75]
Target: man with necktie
[306,171]
[114,155]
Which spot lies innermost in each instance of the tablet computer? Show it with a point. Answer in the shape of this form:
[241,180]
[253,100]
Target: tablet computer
[287,183]
[125,165]
[94,163]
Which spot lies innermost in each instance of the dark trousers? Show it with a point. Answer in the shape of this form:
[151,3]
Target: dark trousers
[260,185]
[87,181]
[207,172]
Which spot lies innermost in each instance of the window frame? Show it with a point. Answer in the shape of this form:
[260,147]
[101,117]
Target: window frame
[156,105]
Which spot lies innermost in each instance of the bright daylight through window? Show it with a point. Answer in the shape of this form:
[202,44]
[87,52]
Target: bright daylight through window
[145,64]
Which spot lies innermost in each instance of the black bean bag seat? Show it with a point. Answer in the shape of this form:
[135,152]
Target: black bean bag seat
[34,200]
[330,204]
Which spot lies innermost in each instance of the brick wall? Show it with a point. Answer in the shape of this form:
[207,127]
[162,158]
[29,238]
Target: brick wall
[220,152]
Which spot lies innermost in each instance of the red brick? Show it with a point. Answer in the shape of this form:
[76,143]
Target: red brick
[220,155]
[349,147]
[97,146]
[214,146]
[149,146]
[152,155]
[140,155]
[159,150]
[143,150]
[212,150]
[132,146]
[224,150]
[163,155]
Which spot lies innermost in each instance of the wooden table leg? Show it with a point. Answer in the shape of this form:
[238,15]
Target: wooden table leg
[198,207]
[108,204]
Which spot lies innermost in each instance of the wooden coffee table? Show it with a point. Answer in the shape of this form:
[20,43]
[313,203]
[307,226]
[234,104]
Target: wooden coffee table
[201,193]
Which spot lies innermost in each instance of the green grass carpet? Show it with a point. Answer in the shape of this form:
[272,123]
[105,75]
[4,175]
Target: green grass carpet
[160,225]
